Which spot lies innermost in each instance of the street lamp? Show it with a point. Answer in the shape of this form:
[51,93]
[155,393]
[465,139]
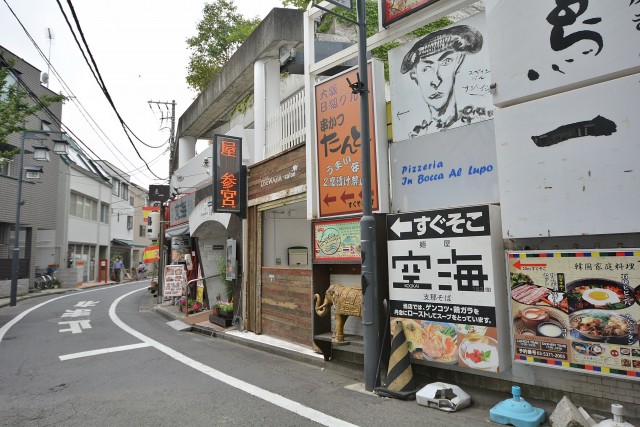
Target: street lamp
[41,153]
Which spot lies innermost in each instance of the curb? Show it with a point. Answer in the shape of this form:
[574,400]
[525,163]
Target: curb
[283,352]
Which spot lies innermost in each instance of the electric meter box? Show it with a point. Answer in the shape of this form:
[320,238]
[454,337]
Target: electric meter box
[298,256]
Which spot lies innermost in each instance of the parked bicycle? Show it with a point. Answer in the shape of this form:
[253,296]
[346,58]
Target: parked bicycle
[44,280]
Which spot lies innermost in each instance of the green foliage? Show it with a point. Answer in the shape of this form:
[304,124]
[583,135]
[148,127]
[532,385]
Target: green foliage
[243,105]
[380,52]
[16,107]
[298,4]
[220,32]
[222,272]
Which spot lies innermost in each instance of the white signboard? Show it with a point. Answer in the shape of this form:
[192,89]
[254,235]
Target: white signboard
[446,285]
[175,280]
[453,168]
[543,47]
[441,81]
[569,163]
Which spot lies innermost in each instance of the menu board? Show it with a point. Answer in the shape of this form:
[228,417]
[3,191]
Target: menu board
[577,310]
[175,279]
[444,276]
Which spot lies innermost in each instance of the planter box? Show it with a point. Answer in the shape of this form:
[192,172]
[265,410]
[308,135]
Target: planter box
[224,322]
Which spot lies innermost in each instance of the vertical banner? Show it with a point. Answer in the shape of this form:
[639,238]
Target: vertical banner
[577,310]
[146,210]
[227,177]
[338,145]
[444,282]
[151,254]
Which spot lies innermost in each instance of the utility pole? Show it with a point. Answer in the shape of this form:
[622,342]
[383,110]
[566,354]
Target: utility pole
[172,117]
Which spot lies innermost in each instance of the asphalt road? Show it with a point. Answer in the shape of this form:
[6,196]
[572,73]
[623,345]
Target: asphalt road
[103,357]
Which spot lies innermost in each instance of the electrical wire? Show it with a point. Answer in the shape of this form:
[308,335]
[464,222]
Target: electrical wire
[100,81]
[50,114]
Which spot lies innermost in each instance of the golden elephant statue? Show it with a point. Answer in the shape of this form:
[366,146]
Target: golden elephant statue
[347,301]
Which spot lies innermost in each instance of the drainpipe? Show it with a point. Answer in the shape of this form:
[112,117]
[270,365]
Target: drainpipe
[266,87]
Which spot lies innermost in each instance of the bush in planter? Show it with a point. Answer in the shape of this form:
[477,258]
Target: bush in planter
[224,309]
[222,273]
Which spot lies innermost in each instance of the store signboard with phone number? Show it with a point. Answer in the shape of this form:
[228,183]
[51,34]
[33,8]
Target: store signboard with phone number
[577,310]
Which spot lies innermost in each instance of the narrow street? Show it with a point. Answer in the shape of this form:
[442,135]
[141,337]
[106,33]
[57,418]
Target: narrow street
[104,357]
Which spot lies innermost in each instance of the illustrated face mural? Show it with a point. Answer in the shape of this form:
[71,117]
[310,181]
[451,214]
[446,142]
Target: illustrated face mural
[435,75]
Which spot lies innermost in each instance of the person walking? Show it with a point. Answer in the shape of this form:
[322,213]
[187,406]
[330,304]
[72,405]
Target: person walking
[117,268]
[142,269]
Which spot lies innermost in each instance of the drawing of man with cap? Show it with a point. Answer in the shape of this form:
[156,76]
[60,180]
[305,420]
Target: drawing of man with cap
[432,63]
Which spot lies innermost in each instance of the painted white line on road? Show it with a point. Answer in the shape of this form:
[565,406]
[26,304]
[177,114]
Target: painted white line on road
[8,325]
[103,351]
[275,399]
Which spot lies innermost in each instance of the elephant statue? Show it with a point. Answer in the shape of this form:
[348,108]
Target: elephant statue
[347,301]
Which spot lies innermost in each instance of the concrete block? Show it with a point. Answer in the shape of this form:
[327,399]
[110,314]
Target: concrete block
[567,415]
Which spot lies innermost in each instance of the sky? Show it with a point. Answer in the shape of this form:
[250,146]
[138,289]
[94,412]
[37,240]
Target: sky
[141,52]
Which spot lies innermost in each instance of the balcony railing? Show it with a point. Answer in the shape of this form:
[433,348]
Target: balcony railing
[286,127]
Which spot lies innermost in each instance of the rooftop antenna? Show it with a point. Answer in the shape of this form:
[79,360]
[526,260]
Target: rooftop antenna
[50,37]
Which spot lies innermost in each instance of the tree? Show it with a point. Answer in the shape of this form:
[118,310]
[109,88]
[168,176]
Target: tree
[16,106]
[220,32]
[298,4]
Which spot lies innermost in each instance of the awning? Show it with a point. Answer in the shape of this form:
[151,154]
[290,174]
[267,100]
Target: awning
[177,230]
[124,242]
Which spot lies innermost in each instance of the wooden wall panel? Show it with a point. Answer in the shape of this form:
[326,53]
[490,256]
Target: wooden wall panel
[287,304]
[277,174]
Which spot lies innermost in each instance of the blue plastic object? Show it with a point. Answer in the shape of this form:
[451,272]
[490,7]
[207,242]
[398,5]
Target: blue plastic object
[517,411]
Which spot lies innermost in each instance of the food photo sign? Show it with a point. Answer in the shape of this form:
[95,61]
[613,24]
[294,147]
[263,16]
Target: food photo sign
[446,285]
[175,280]
[577,310]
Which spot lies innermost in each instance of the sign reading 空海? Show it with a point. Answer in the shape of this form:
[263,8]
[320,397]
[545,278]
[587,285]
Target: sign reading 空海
[446,284]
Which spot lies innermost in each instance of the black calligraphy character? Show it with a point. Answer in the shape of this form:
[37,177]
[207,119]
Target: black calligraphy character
[563,15]
[328,140]
[356,137]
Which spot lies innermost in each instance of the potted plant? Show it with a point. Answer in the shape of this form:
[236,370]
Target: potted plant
[189,305]
[224,309]
[222,274]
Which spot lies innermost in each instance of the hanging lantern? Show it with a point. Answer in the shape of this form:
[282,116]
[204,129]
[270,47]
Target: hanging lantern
[60,146]
[41,153]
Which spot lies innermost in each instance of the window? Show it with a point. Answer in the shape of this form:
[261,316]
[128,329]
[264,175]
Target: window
[129,222]
[5,167]
[83,207]
[104,213]
[45,125]
[124,191]
[142,232]
[116,188]
[132,201]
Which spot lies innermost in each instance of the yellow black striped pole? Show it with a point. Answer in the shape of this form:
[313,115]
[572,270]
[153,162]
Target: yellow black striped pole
[400,382]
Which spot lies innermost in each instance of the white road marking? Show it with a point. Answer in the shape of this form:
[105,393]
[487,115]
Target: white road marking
[19,317]
[273,398]
[258,392]
[75,326]
[102,351]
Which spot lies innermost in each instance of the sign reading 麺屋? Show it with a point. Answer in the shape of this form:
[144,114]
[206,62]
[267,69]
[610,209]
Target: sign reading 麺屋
[577,310]
[227,179]
[446,284]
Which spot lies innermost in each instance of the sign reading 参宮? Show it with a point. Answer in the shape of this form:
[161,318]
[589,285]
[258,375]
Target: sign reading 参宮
[227,179]
[577,310]
[446,284]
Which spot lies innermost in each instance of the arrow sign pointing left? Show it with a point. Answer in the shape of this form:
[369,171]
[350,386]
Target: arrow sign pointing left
[400,227]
